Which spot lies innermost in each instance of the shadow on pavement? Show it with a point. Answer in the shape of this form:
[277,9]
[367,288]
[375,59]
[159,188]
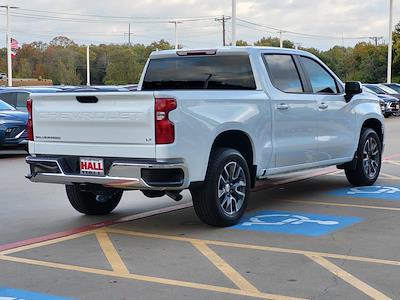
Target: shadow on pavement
[12,153]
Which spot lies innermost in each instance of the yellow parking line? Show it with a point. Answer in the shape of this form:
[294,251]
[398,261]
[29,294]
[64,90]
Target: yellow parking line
[256,247]
[165,281]
[345,205]
[46,243]
[354,281]
[111,253]
[224,267]
[305,252]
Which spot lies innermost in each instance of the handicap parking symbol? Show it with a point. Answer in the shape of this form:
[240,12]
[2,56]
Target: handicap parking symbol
[296,223]
[15,294]
[391,193]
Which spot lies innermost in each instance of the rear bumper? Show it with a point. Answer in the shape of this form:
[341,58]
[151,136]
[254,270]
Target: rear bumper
[120,173]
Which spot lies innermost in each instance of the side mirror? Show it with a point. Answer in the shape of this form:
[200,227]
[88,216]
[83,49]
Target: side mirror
[352,88]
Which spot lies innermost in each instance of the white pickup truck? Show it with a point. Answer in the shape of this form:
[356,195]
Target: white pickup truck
[212,121]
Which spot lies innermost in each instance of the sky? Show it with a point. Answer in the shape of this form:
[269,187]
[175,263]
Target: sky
[310,23]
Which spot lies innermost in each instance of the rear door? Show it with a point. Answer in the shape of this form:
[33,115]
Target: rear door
[336,120]
[294,112]
[118,124]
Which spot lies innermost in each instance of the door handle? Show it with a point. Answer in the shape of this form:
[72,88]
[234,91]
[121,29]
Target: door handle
[323,105]
[282,106]
[87,99]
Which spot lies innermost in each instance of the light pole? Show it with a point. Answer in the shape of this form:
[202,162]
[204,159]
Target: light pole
[280,39]
[8,39]
[233,22]
[87,66]
[176,32]
[129,35]
[390,44]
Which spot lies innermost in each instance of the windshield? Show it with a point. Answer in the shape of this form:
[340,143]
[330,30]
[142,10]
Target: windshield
[5,106]
[387,89]
[376,89]
[368,90]
[394,87]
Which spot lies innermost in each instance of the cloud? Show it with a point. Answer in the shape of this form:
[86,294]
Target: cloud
[333,18]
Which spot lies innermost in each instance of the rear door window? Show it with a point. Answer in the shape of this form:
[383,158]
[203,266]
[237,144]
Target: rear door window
[220,72]
[283,73]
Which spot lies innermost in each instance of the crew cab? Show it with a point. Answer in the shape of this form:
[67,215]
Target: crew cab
[211,121]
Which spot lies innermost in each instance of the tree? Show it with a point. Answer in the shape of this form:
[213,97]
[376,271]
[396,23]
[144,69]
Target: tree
[123,68]
[160,45]
[273,42]
[24,69]
[61,64]
[396,53]
[369,62]
[64,61]
[241,43]
[3,60]
[62,41]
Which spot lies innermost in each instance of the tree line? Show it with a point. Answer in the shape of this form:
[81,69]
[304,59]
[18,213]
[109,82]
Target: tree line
[64,61]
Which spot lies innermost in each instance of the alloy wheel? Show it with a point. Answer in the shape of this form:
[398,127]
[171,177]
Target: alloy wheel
[232,188]
[371,157]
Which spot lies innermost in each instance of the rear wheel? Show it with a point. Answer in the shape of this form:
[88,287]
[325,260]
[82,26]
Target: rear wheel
[369,159]
[222,199]
[92,203]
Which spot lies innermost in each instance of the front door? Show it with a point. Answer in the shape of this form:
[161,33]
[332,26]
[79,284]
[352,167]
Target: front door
[336,120]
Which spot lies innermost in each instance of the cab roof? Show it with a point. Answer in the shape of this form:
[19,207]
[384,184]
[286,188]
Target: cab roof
[225,50]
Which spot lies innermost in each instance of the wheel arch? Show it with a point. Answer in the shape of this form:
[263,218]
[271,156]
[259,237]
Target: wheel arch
[242,142]
[376,125]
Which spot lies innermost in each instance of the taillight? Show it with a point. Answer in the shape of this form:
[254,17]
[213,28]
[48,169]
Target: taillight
[165,131]
[29,124]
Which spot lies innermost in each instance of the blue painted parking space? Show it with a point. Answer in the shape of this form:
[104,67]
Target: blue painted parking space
[15,294]
[390,192]
[297,223]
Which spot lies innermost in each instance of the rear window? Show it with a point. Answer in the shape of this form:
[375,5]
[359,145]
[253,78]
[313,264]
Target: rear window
[230,72]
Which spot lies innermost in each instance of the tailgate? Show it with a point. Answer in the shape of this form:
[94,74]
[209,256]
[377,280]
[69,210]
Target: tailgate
[114,124]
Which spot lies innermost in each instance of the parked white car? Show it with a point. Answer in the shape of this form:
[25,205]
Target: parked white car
[212,121]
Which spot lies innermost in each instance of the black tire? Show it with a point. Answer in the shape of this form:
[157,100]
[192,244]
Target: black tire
[208,206]
[89,203]
[360,175]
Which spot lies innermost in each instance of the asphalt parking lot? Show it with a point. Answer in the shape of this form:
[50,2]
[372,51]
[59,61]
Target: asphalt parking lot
[304,236]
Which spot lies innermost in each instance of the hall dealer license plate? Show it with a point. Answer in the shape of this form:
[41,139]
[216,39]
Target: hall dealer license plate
[92,166]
